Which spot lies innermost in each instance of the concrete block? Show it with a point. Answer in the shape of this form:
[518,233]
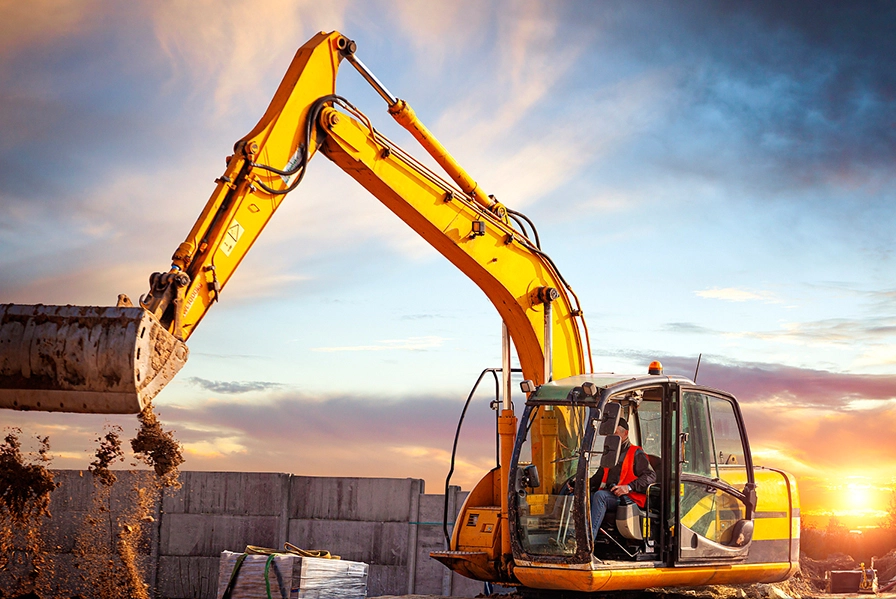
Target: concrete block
[467,587]
[75,491]
[188,577]
[59,532]
[431,577]
[235,493]
[64,531]
[387,580]
[381,543]
[206,535]
[370,499]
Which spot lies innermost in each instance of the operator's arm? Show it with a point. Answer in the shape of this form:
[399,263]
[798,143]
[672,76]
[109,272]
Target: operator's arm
[644,472]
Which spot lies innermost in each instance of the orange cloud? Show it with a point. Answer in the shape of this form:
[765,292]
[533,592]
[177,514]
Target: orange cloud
[233,47]
[31,24]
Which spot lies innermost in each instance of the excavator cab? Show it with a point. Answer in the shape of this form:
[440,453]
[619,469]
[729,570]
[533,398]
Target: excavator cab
[701,513]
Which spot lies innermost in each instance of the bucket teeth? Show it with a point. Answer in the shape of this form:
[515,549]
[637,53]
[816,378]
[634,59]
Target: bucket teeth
[91,359]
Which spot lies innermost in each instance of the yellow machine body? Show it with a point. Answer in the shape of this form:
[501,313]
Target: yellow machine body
[115,359]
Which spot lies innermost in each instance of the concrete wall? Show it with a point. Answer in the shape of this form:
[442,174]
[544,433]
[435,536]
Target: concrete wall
[390,524]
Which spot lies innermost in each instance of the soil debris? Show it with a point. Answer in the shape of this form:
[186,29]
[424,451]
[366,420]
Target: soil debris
[25,486]
[158,448]
[107,452]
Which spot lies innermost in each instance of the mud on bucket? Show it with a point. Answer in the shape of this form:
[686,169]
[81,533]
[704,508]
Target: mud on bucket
[90,359]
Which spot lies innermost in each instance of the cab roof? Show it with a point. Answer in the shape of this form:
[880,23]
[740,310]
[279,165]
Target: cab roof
[561,390]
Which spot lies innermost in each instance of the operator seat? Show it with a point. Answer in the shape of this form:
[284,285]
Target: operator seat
[630,517]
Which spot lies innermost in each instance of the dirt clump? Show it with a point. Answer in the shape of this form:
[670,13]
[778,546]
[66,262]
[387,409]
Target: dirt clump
[25,485]
[158,448]
[107,452]
[25,488]
[109,542]
[112,544]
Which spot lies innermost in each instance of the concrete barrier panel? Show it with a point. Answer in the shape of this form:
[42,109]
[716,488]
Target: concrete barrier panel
[206,535]
[233,493]
[386,523]
[182,577]
[387,580]
[370,499]
[382,543]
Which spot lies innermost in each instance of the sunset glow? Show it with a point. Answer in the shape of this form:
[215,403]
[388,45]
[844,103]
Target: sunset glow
[712,179]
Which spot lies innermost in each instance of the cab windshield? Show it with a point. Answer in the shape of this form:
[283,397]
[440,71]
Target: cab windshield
[553,443]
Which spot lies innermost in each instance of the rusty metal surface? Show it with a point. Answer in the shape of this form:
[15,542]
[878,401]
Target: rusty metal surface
[91,359]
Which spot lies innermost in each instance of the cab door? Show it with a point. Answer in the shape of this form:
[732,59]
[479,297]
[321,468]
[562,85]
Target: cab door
[716,493]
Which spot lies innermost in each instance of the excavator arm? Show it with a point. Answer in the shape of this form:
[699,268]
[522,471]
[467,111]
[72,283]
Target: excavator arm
[468,227]
[115,359]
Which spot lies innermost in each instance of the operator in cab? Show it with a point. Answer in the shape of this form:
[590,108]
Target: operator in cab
[625,482]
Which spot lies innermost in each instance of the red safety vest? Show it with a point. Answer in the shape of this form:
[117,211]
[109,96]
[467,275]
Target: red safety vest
[627,475]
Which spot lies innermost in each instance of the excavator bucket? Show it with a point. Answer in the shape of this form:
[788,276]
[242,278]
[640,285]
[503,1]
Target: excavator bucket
[89,359]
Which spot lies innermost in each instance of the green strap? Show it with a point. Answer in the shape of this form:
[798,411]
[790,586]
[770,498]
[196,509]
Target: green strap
[267,581]
[236,569]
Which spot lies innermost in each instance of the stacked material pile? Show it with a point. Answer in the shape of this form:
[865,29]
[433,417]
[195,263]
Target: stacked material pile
[289,576]
[886,568]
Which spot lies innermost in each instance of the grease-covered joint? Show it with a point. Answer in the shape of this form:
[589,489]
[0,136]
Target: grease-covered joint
[346,46]
[183,255]
[180,278]
[546,295]
[402,112]
[250,150]
[497,208]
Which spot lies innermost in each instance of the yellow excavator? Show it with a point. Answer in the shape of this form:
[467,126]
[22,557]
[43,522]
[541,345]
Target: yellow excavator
[711,516]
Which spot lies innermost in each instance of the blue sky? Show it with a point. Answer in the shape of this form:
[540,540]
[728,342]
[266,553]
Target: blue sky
[712,179]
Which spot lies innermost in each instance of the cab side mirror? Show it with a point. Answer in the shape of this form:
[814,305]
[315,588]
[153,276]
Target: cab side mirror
[611,451]
[741,533]
[526,478]
[609,419]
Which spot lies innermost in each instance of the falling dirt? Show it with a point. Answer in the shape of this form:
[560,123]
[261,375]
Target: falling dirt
[25,488]
[158,448]
[110,546]
[107,453]
[115,532]
[109,542]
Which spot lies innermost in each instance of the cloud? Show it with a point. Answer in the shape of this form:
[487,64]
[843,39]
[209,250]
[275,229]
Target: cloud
[286,431]
[349,435]
[409,344]
[216,46]
[688,328]
[232,387]
[783,386]
[465,23]
[731,294]
[33,24]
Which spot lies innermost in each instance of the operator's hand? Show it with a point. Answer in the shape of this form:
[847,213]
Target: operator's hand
[620,490]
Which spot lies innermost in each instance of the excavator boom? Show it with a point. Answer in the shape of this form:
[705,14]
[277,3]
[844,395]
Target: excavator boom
[97,359]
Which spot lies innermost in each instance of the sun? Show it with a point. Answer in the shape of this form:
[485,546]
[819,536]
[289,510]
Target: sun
[858,496]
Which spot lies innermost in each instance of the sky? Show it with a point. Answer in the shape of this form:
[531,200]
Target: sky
[712,179]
